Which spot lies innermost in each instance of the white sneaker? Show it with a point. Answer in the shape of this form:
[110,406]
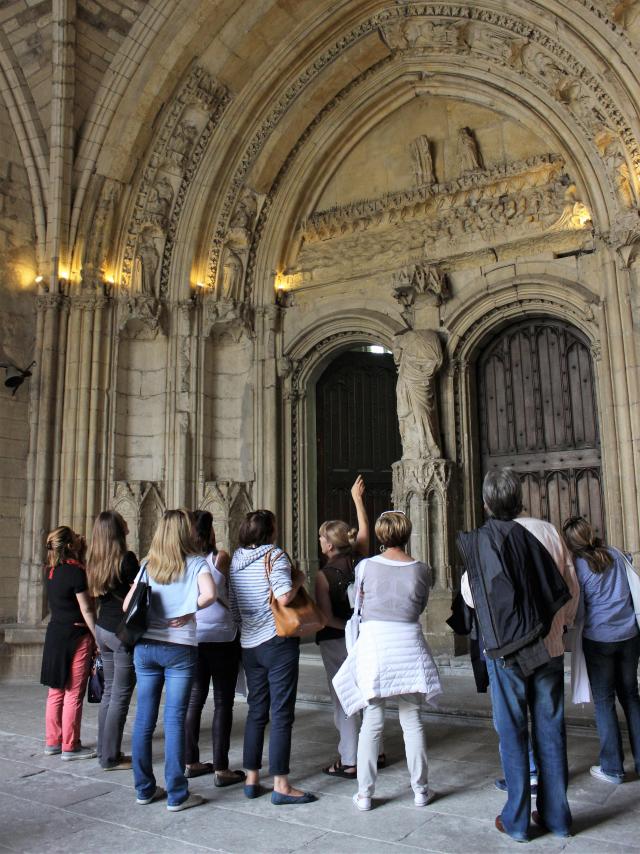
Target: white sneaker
[192,801]
[159,793]
[363,803]
[597,772]
[421,799]
[79,753]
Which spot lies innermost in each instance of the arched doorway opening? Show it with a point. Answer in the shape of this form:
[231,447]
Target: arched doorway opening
[538,414]
[356,432]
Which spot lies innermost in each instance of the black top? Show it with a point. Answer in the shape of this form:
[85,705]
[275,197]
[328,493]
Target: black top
[515,584]
[339,572]
[63,583]
[110,604]
[67,626]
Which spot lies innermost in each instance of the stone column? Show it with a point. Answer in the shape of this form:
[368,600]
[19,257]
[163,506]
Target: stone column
[267,436]
[41,509]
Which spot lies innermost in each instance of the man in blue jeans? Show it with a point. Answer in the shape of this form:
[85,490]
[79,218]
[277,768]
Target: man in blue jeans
[520,594]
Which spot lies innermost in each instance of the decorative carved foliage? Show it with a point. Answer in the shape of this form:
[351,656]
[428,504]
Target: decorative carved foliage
[420,278]
[141,505]
[228,502]
[177,150]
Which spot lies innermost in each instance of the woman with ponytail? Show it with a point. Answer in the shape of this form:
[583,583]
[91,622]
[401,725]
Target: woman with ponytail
[342,546]
[111,570]
[68,644]
[611,643]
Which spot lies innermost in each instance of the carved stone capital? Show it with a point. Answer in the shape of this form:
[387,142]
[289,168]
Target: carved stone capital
[233,318]
[51,302]
[420,279]
[420,477]
[140,315]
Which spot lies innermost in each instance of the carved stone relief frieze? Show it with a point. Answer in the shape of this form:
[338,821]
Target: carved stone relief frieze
[177,149]
[482,208]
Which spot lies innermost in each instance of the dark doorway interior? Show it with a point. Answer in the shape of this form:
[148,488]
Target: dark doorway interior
[357,433]
[538,414]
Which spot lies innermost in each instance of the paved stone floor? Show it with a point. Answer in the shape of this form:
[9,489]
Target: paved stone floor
[48,806]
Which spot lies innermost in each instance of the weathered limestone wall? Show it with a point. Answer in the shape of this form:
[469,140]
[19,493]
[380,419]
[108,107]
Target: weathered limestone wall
[17,334]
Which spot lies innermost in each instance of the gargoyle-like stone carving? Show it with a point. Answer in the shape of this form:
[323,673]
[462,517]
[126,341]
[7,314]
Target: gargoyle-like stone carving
[422,161]
[418,355]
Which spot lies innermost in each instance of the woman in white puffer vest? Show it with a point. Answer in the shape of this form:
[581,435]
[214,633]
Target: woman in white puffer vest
[391,657]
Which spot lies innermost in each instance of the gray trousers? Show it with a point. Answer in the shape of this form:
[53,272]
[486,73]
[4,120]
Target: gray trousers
[119,682]
[414,743]
[334,652]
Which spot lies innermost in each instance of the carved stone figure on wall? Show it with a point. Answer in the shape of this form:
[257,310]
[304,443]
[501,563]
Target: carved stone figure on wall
[160,198]
[181,143]
[418,355]
[244,216]
[146,264]
[469,157]
[422,161]
[232,276]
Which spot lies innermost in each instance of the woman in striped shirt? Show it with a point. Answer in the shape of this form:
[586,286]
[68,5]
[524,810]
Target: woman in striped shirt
[270,662]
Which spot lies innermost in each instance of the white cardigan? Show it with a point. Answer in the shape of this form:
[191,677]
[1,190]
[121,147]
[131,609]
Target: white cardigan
[387,660]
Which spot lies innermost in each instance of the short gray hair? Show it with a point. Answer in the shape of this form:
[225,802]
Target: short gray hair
[502,493]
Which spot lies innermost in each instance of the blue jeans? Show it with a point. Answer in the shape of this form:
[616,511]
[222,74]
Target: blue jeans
[613,671]
[271,670]
[542,695]
[157,663]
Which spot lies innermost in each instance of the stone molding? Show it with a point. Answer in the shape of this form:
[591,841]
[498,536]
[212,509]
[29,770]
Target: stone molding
[228,501]
[570,83]
[173,161]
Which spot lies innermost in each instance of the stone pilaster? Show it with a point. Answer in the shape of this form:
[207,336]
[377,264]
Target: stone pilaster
[45,422]
[423,490]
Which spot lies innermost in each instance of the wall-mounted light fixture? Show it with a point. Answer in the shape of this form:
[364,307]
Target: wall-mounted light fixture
[15,376]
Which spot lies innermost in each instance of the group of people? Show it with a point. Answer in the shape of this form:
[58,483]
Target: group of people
[524,586]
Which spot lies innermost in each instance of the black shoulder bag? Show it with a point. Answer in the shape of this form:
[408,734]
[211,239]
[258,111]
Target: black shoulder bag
[136,619]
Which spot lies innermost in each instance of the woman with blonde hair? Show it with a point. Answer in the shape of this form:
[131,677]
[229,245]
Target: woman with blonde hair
[180,583]
[391,657]
[342,546]
[111,570]
[68,644]
[610,641]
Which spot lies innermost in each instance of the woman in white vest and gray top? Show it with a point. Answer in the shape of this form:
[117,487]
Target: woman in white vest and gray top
[218,662]
[391,657]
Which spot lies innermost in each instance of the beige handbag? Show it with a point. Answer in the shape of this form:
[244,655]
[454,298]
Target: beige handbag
[301,616]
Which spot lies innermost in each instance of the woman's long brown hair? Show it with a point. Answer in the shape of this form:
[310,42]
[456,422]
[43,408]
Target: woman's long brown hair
[582,542]
[108,547]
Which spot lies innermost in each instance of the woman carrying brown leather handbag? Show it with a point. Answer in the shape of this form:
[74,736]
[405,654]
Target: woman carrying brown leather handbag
[270,662]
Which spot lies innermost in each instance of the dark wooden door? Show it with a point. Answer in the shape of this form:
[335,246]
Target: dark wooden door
[538,414]
[357,433]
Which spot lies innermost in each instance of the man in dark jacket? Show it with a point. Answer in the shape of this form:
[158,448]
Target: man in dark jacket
[516,591]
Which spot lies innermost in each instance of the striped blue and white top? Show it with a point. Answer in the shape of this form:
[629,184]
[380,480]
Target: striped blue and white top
[249,592]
